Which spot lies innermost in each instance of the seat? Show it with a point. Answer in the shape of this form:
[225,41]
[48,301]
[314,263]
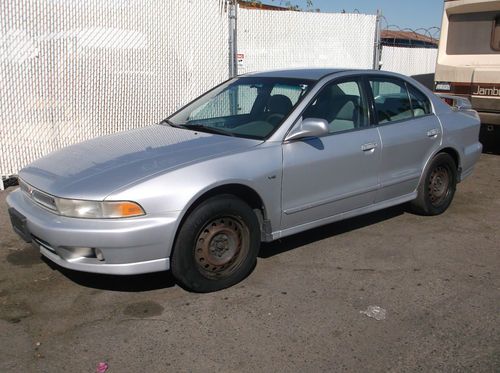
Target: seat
[321,108]
[278,107]
[393,108]
[344,114]
[279,104]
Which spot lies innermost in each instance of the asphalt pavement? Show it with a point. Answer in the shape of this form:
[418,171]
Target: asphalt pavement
[433,284]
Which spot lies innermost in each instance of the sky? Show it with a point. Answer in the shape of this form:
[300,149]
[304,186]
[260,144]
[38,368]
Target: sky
[403,13]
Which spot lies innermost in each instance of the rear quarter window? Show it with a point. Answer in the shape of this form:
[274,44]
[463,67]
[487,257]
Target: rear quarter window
[420,104]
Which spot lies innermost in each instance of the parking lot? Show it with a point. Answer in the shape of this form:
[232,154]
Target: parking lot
[437,278]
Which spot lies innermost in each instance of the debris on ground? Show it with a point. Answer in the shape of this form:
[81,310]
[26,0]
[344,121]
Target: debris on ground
[376,312]
[102,367]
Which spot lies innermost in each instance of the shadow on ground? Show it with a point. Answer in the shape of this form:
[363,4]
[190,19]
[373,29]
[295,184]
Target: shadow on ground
[490,141]
[131,283]
[162,280]
[289,243]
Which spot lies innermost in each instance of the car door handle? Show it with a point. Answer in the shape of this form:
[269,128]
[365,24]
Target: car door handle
[433,133]
[369,146]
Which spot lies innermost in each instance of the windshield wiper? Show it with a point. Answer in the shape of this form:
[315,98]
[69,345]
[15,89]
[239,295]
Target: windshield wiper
[202,128]
[167,121]
[198,127]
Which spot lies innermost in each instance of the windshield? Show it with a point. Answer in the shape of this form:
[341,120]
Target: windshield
[245,107]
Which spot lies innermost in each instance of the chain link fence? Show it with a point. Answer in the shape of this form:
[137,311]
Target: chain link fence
[409,61]
[272,40]
[71,70]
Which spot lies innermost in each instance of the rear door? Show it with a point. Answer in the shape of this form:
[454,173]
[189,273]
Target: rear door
[326,176]
[409,131]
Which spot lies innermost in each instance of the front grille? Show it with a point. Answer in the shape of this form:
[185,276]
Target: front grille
[36,195]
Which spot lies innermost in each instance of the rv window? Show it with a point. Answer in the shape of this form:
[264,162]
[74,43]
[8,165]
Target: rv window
[471,33]
[495,37]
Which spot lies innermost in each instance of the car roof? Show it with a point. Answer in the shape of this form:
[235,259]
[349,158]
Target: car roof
[310,74]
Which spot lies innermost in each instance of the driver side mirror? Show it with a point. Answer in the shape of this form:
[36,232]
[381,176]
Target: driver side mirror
[310,127]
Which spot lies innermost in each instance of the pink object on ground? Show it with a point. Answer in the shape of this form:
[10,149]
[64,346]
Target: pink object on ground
[102,367]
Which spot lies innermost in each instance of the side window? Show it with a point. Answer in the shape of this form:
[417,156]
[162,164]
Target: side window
[342,105]
[419,102]
[495,35]
[391,100]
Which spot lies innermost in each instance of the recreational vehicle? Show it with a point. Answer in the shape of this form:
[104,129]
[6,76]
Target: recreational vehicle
[469,57]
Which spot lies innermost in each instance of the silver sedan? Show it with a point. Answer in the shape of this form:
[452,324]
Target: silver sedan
[259,157]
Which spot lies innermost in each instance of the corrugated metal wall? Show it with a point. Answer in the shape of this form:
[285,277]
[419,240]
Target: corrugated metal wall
[409,61]
[72,70]
[270,40]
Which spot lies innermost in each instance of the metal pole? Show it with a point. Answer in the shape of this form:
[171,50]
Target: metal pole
[377,45]
[235,38]
[233,62]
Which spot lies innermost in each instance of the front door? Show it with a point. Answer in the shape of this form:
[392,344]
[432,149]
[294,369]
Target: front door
[327,176]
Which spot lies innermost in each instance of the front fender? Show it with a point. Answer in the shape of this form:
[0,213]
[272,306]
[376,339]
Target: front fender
[258,168]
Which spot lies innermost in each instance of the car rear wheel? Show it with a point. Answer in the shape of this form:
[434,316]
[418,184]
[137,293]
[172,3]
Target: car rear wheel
[217,245]
[437,188]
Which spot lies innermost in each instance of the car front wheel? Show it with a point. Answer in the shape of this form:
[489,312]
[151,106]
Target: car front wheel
[217,245]
[437,188]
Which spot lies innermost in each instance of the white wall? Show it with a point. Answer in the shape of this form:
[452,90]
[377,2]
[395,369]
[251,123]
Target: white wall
[409,61]
[287,39]
[72,70]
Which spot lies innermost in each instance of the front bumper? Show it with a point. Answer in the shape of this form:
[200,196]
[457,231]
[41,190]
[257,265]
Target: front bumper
[128,246]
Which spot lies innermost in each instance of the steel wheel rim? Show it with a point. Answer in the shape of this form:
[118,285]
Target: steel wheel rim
[221,247]
[439,185]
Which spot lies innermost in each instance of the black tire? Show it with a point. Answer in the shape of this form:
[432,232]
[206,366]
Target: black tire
[217,245]
[437,187]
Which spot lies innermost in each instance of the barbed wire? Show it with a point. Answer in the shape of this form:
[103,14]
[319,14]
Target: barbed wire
[310,7]
[426,31]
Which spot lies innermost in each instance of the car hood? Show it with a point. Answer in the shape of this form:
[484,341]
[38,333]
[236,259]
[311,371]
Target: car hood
[95,168]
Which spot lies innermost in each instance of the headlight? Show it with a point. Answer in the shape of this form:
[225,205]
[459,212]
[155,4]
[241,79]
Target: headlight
[77,208]
[98,210]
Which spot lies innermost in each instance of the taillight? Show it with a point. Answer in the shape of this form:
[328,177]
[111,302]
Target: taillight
[449,101]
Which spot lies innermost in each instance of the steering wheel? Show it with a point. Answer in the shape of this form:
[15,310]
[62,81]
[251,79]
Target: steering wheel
[274,118]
